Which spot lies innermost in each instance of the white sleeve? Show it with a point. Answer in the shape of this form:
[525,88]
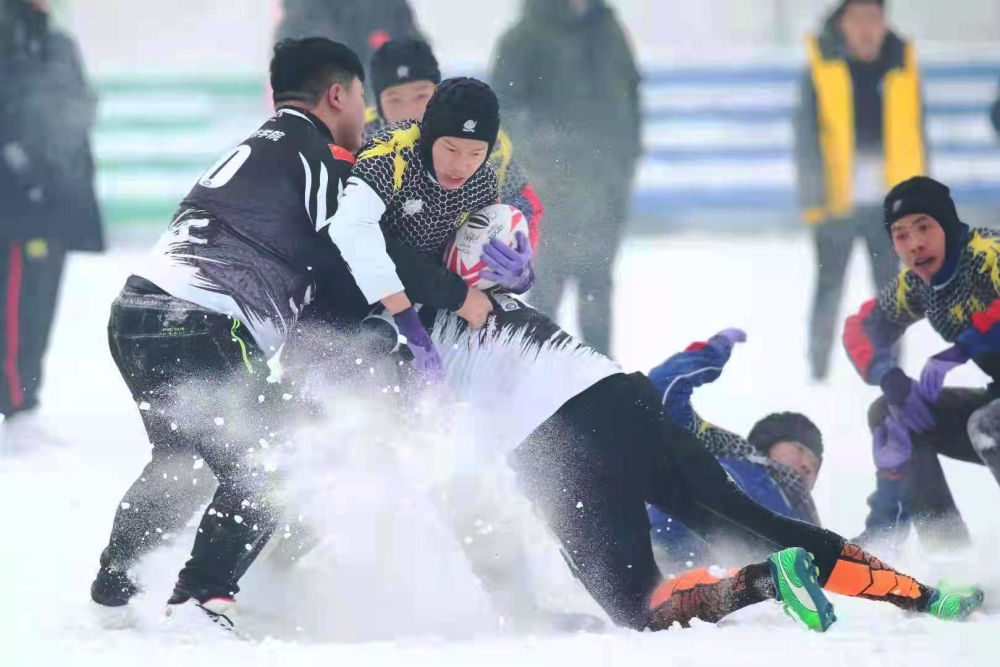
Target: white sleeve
[355,230]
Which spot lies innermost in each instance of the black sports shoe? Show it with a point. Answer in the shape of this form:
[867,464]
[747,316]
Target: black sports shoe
[112,588]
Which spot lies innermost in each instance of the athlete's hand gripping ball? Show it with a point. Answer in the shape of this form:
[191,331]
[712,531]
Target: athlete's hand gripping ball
[509,267]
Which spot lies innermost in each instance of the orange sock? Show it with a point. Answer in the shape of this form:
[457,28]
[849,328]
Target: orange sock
[859,574]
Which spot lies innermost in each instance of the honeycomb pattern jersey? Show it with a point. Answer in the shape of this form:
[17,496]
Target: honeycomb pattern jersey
[948,307]
[723,443]
[512,179]
[419,212]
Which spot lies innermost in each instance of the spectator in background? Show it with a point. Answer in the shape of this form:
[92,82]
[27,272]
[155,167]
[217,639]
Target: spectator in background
[995,115]
[363,25]
[47,111]
[862,88]
[568,85]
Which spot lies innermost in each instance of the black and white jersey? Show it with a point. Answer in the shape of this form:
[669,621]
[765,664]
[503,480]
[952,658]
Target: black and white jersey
[521,367]
[392,186]
[247,239]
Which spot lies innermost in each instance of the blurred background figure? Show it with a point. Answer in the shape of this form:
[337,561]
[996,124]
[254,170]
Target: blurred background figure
[995,115]
[363,25]
[568,86]
[859,131]
[49,207]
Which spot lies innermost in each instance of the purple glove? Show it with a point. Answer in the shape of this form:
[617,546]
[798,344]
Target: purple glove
[905,402]
[425,355]
[935,370]
[892,445]
[728,337]
[509,267]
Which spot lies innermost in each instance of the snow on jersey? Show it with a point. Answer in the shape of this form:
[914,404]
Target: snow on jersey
[521,367]
[245,241]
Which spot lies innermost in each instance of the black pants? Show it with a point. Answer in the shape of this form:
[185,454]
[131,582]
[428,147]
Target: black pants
[201,387]
[924,490]
[30,273]
[592,468]
[581,235]
[834,241]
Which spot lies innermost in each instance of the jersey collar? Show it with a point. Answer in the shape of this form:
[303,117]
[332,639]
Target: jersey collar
[310,118]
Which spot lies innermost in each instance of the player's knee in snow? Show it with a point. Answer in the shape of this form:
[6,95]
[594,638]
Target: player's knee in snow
[984,427]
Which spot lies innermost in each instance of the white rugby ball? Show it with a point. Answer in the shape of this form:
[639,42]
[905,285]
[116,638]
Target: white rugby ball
[465,250]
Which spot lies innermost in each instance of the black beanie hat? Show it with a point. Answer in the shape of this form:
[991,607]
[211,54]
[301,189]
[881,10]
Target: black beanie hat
[402,61]
[464,108]
[924,195]
[786,427]
[843,6]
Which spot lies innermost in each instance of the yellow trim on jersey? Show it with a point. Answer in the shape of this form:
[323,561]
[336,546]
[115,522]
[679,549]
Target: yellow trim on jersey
[902,124]
[371,115]
[393,146]
[502,155]
[988,248]
[903,295]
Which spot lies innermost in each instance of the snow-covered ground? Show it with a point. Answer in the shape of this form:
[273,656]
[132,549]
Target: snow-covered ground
[395,589]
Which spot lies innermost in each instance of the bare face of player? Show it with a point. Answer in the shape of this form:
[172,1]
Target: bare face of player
[864,29]
[920,243]
[456,160]
[407,101]
[798,457]
[343,111]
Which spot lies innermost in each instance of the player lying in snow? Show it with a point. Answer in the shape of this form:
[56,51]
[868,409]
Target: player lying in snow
[776,464]
[589,444]
[951,277]
[404,75]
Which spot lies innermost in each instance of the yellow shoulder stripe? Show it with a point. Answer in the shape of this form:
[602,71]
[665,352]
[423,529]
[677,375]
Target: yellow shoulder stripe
[503,153]
[393,146]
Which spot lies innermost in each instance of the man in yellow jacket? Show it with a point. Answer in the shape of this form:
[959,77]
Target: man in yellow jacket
[859,131]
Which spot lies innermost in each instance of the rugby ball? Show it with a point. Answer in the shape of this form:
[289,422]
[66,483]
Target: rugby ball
[465,250]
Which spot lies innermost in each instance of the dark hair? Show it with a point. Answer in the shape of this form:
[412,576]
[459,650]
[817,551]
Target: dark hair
[782,426]
[302,70]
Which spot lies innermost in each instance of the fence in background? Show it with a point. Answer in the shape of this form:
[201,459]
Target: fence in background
[718,139]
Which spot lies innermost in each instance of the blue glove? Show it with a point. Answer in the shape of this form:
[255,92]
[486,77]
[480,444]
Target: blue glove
[892,446]
[425,355]
[509,267]
[905,402]
[936,369]
[700,363]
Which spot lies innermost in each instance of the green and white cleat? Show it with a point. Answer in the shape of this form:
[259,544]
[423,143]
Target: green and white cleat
[798,589]
[955,603]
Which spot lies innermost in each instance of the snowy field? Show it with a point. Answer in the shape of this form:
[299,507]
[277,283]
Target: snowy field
[394,587]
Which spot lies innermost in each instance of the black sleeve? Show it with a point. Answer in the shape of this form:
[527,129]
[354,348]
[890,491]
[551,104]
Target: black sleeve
[808,158]
[426,282]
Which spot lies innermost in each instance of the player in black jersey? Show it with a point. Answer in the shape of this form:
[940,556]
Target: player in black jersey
[198,332]
[589,444]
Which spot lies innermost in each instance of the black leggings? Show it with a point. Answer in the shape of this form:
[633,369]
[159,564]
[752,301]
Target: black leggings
[592,468]
[200,385]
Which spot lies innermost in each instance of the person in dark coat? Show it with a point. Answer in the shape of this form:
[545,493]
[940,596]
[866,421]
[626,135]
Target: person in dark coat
[363,25]
[568,84]
[862,87]
[995,115]
[47,110]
